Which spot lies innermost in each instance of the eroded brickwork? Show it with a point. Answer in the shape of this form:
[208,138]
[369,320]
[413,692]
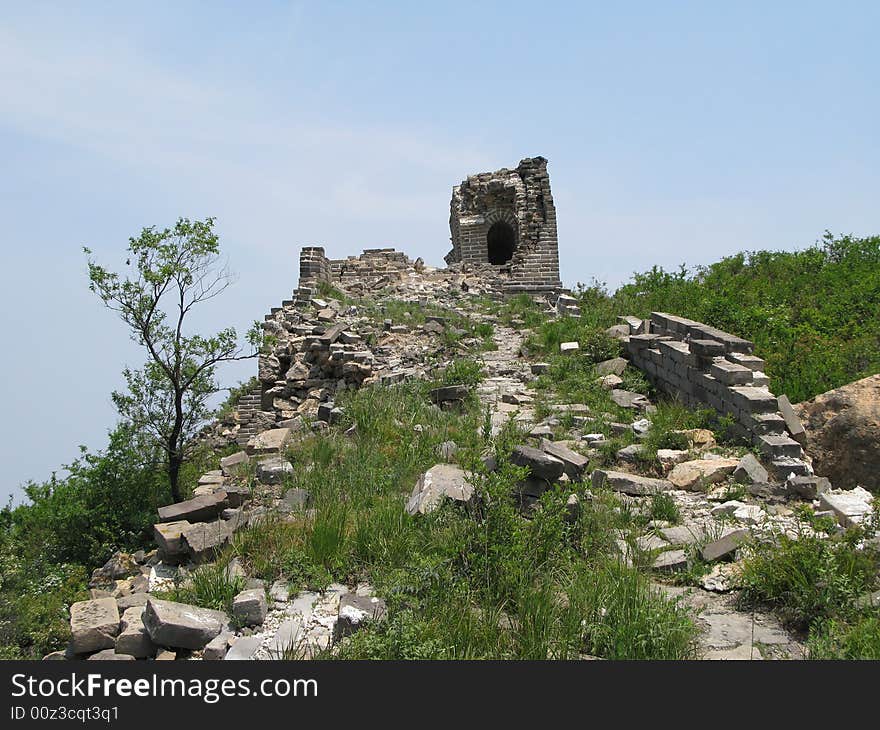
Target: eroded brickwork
[507,218]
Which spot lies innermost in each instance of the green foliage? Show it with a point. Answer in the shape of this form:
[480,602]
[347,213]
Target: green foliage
[663,507]
[210,586]
[814,314]
[856,639]
[810,578]
[107,501]
[463,371]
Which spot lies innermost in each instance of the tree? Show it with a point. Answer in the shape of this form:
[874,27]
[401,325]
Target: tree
[175,269]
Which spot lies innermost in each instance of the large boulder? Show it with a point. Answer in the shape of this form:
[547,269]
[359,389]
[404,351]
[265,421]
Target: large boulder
[441,481]
[93,625]
[180,625]
[843,433]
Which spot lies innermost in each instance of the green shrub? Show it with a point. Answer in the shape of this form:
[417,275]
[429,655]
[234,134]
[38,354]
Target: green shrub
[856,639]
[809,578]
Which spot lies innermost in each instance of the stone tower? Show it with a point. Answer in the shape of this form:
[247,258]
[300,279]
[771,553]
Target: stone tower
[507,219]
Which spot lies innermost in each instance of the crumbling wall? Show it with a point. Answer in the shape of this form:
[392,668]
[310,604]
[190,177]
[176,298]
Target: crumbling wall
[703,366]
[520,199]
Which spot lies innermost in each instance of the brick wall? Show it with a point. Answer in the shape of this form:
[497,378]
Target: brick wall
[703,366]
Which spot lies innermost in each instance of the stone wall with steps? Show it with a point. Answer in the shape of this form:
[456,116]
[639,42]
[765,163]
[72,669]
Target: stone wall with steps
[703,366]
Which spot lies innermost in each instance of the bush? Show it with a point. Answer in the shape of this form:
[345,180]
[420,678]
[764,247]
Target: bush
[857,639]
[810,578]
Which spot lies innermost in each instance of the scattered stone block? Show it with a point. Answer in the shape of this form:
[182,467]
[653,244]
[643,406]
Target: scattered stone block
[94,625]
[441,481]
[725,546]
[851,506]
[355,612]
[216,648]
[108,655]
[569,348]
[133,637]
[449,393]
[269,442]
[273,469]
[540,464]
[295,500]
[197,509]
[250,607]
[792,422]
[180,625]
[629,399]
[614,366]
[700,473]
[632,484]
[243,648]
[807,487]
[750,471]
[573,462]
[234,464]
[671,561]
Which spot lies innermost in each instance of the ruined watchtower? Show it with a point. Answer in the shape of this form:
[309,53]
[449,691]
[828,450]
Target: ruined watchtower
[507,219]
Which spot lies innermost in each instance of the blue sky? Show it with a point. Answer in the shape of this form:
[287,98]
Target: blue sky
[676,132]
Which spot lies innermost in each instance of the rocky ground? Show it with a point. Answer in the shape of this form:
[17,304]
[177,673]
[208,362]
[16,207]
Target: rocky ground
[724,496]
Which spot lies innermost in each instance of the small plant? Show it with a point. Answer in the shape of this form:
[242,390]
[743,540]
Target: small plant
[210,586]
[462,372]
[663,507]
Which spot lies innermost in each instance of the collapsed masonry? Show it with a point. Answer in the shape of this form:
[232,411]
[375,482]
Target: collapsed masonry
[703,366]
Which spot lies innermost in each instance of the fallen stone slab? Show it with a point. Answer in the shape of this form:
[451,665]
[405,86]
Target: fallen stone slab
[671,561]
[234,464]
[629,399]
[108,655]
[197,509]
[295,499]
[698,474]
[449,393]
[441,481]
[204,539]
[683,534]
[750,471]
[179,625]
[808,488]
[355,612]
[94,625]
[133,637]
[215,650]
[568,348]
[851,506]
[632,484]
[273,469]
[573,462]
[777,446]
[724,546]
[792,422]
[269,442]
[614,366]
[286,642]
[243,648]
[539,463]
[250,607]
[133,600]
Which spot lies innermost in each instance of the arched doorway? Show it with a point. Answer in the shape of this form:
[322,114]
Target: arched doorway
[500,243]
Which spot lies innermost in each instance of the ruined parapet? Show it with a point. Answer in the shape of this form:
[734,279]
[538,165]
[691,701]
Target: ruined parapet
[703,366]
[373,262]
[507,219]
[314,266]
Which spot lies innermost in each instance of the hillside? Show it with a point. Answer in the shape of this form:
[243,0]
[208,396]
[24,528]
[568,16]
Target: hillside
[437,479]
